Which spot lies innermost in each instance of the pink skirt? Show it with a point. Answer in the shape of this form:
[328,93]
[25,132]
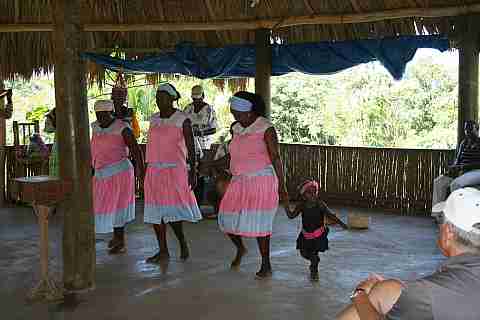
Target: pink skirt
[250,204]
[113,196]
[168,197]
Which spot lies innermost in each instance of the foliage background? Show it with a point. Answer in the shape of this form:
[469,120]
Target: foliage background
[362,106]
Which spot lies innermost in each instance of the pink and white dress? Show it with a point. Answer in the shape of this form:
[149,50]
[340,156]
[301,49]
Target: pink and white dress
[168,197]
[114,179]
[251,200]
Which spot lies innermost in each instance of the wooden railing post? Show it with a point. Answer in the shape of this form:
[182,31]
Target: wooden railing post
[16,134]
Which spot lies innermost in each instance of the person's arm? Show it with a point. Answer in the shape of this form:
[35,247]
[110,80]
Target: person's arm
[365,309]
[295,213]
[330,215]
[223,162]
[191,157]
[374,301]
[271,140]
[135,151]
[211,127]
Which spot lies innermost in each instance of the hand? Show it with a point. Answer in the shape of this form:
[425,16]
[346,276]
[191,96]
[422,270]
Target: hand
[192,179]
[370,282]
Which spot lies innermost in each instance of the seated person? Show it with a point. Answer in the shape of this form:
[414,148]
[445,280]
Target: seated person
[465,171]
[51,127]
[220,174]
[452,292]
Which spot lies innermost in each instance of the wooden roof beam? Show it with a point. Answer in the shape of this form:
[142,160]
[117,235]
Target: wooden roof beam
[324,19]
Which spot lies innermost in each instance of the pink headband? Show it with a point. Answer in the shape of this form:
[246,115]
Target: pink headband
[308,185]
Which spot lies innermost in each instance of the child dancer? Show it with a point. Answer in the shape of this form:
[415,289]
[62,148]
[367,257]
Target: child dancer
[313,237]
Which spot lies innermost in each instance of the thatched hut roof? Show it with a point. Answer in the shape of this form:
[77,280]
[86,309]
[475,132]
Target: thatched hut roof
[229,21]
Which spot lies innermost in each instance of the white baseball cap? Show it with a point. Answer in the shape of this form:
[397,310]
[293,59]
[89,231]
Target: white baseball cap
[462,209]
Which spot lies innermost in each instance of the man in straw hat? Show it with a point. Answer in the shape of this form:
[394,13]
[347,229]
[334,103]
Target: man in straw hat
[452,292]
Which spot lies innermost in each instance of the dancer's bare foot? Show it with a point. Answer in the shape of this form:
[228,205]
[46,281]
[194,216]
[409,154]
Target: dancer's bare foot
[117,248]
[160,256]
[112,243]
[238,258]
[264,272]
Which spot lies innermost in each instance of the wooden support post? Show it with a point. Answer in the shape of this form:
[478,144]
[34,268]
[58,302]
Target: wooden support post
[263,66]
[74,146]
[467,74]
[3,142]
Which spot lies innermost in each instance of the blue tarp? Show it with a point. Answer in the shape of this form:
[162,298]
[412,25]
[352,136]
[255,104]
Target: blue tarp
[310,58]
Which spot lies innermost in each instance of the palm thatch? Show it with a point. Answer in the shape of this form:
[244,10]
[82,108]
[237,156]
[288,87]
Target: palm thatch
[27,53]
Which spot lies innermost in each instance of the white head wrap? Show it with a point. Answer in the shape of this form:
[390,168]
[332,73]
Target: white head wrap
[168,88]
[103,105]
[240,104]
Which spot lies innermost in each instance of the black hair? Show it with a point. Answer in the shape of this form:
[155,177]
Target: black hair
[52,113]
[258,104]
[470,123]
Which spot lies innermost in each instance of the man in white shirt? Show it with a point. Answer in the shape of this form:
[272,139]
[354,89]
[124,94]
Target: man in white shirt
[204,124]
[202,115]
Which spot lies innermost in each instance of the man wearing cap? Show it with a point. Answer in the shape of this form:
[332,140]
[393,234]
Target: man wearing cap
[204,125]
[452,292]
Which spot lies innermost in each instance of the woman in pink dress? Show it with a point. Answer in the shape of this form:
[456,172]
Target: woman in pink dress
[169,198]
[114,179]
[251,200]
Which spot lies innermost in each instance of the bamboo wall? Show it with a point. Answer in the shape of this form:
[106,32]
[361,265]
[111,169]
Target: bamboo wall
[397,180]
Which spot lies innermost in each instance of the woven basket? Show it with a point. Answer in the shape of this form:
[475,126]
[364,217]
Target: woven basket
[357,221]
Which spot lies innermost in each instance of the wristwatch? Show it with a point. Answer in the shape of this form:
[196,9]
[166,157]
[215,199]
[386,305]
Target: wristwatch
[356,292]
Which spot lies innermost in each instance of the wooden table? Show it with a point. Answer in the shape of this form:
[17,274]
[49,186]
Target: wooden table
[44,193]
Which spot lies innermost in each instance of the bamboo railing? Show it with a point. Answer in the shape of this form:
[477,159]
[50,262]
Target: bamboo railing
[397,180]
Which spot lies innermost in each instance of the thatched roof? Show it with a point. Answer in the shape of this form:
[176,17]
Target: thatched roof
[25,53]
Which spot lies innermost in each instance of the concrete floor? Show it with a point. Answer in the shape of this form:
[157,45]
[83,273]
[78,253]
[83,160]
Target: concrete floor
[204,287]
